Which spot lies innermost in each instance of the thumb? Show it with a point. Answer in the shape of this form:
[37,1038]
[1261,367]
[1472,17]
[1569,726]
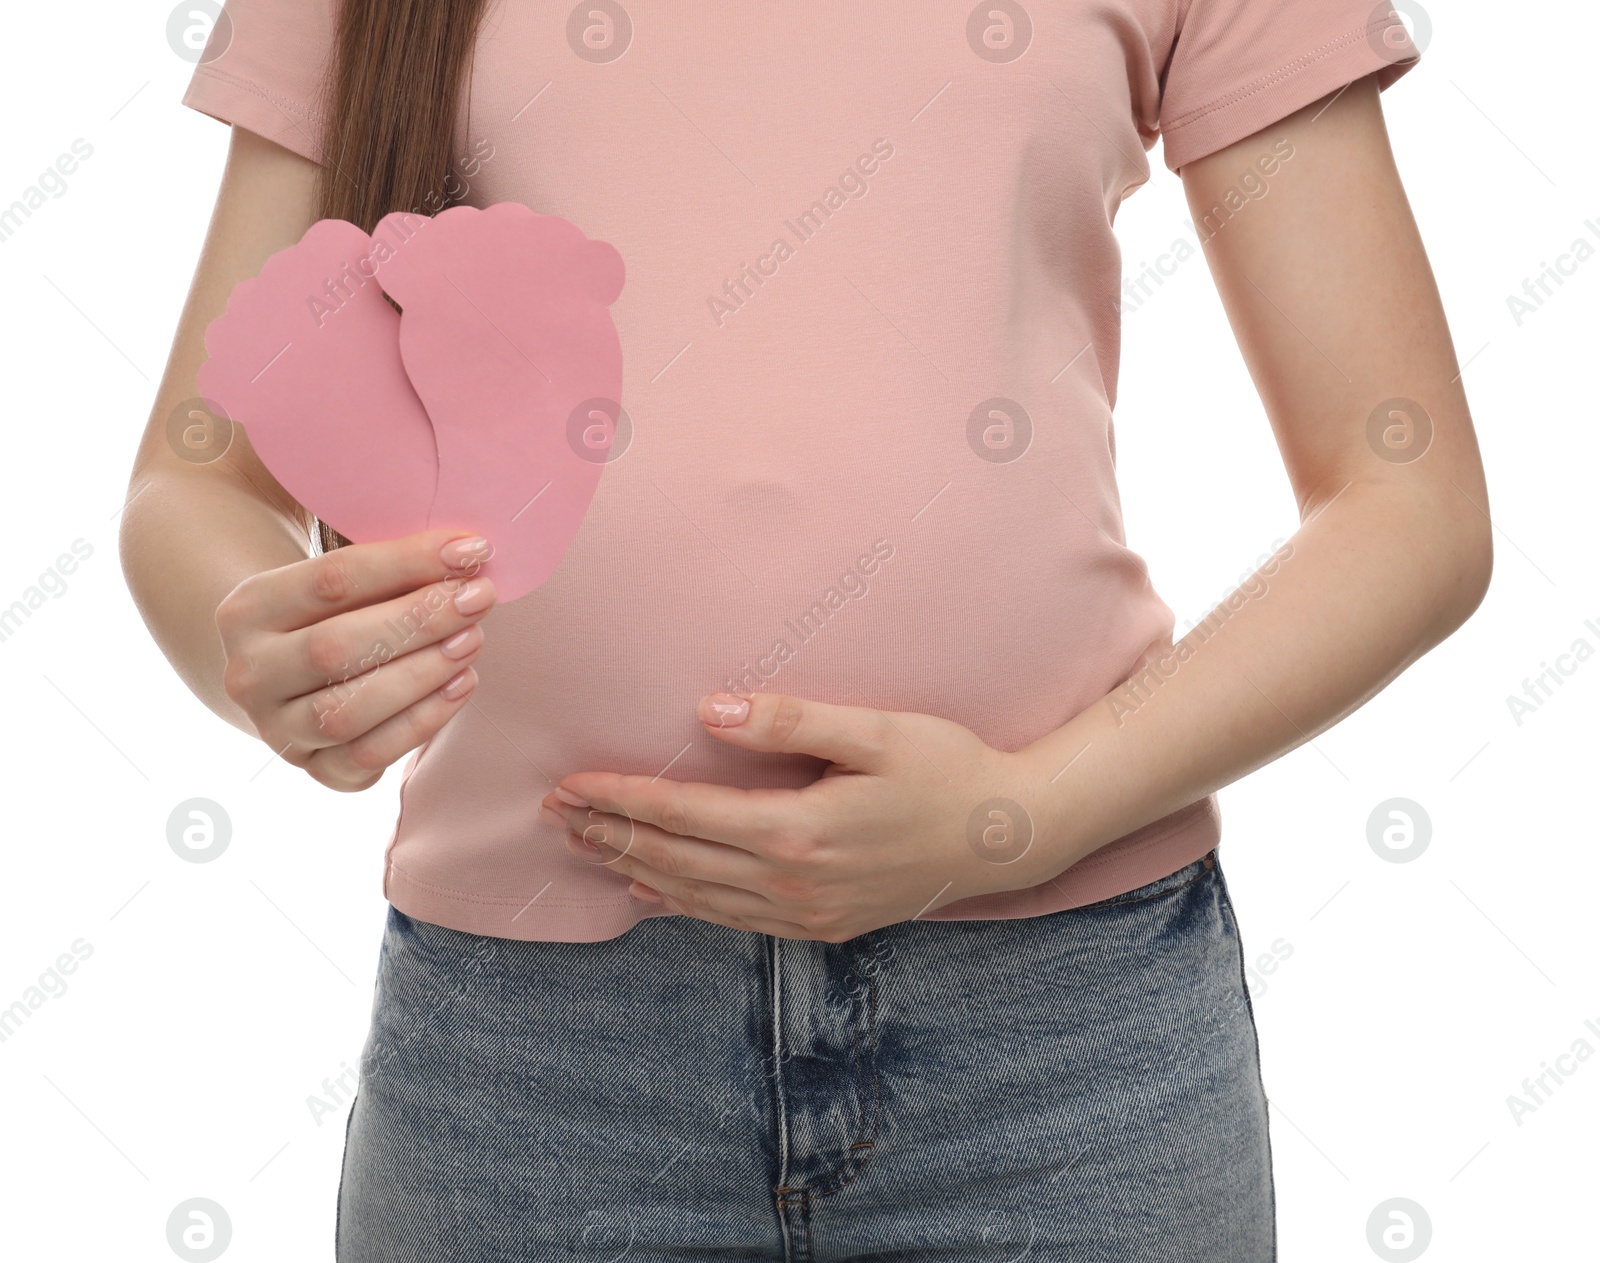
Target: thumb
[852,736]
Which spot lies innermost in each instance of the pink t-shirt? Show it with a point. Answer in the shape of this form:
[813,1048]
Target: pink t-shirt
[870,336]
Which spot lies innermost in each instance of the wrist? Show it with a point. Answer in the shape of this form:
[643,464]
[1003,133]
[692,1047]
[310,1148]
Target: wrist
[1020,830]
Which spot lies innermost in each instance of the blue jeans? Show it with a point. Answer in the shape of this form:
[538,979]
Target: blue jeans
[1081,1086]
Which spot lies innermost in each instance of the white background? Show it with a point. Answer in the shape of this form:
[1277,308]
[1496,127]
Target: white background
[1415,998]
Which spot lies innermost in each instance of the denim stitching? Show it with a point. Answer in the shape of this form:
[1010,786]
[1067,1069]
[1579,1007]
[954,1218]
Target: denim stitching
[1255,1040]
[338,1197]
[855,1051]
[861,1151]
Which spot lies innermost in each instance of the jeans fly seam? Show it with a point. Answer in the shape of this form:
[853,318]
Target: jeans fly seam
[860,1152]
[781,1188]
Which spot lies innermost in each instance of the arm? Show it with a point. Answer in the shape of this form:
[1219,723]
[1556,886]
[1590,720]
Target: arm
[295,649]
[1330,296]
[192,530]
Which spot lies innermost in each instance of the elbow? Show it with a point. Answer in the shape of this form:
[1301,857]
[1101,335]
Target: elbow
[1464,569]
[132,546]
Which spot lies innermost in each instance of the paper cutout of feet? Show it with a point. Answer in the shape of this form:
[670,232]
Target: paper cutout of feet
[307,358]
[508,339]
[486,403]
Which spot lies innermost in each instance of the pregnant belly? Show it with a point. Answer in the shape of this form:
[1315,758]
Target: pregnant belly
[1006,619]
[989,599]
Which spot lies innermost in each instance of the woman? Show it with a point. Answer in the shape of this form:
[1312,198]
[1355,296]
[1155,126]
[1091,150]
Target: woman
[822,863]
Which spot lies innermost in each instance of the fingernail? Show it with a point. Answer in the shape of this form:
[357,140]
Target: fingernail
[553,816]
[724,710]
[462,643]
[459,685]
[474,597]
[571,799]
[583,848]
[461,554]
[645,893]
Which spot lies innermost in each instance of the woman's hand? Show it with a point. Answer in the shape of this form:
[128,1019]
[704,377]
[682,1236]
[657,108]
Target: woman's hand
[346,661]
[914,812]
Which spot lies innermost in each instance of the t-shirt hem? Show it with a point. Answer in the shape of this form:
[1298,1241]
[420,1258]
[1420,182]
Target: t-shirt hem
[574,921]
[1124,865]
[1250,107]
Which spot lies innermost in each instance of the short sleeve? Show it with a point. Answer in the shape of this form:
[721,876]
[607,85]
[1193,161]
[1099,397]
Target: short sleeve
[1240,65]
[263,68]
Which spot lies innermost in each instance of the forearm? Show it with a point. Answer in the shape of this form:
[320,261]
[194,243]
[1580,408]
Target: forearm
[1366,586]
[189,535]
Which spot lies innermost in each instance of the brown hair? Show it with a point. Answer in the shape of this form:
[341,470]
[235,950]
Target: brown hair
[394,86]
